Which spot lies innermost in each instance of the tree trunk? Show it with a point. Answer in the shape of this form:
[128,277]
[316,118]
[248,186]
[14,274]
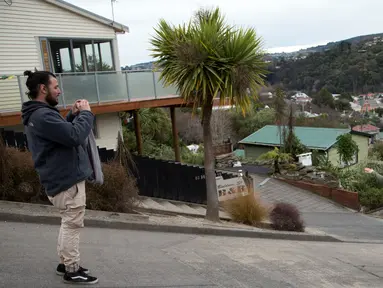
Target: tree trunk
[212,212]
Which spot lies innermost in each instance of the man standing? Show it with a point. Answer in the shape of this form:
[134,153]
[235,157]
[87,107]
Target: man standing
[62,164]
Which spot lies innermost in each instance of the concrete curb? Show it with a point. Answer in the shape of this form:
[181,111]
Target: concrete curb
[142,226]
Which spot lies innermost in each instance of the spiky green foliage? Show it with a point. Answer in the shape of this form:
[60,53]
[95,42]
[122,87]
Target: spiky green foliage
[208,58]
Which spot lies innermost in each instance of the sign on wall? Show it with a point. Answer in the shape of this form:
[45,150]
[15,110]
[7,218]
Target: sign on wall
[230,188]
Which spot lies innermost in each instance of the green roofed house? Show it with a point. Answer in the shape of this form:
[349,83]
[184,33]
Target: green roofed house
[321,139]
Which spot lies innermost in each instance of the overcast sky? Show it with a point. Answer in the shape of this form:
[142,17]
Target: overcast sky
[283,24]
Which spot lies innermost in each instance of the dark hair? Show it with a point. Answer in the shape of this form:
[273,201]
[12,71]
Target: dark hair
[35,79]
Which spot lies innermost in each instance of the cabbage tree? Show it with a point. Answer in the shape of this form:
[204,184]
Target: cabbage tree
[205,59]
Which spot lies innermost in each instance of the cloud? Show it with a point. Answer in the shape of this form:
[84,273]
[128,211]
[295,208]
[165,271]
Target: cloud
[280,23]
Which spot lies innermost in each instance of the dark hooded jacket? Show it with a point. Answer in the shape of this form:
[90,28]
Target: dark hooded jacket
[56,145]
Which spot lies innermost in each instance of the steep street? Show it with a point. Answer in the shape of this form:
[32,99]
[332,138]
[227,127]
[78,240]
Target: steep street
[145,259]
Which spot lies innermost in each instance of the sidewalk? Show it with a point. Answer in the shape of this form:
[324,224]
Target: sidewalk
[47,214]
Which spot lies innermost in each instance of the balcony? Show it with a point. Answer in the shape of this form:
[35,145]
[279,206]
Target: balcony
[96,87]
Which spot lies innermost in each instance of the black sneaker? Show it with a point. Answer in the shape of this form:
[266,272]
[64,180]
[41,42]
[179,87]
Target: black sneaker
[79,278]
[61,270]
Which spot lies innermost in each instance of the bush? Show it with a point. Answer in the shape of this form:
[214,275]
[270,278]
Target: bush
[246,209]
[371,198]
[119,192]
[20,181]
[286,217]
[377,151]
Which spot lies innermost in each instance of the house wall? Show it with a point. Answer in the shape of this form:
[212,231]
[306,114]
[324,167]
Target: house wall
[21,25]
[362,143]
[106,127]
[254,151]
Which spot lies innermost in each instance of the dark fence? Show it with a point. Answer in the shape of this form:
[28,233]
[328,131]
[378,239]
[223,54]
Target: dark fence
[155,178]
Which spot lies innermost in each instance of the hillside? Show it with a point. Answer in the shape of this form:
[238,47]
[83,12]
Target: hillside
[321,48]
[355,66]
[139,66]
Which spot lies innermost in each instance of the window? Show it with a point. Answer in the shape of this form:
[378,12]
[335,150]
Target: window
[72,55]
[61,56]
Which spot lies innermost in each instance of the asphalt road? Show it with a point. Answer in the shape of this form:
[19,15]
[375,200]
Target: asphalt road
[347,226]
[145,259]
[321,213]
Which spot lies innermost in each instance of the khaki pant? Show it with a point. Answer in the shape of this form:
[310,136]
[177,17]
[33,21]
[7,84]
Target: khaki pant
[71,204]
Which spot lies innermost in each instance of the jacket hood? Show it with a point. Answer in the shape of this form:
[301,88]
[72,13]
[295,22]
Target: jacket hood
[31,106]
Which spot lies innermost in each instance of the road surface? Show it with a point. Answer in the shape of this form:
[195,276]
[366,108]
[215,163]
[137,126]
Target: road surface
[147,259]
[321,213]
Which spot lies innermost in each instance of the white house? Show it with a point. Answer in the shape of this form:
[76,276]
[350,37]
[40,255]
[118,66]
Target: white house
[80,47]
[301,97]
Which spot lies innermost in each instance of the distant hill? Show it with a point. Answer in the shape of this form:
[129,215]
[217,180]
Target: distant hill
[321,48]
[354,65]
[139,66]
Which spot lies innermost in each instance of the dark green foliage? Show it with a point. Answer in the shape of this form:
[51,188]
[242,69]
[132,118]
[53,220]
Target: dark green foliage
[253,121]
[371,198]
[347,148]
[342,105]
[156,131]
[377,151]
[356,68]
[292,144]
[324,98]
[286,217]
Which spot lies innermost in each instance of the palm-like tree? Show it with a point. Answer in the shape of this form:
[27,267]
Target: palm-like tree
[205,59]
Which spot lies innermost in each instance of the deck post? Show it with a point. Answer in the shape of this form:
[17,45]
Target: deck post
[176,145]
[137,130]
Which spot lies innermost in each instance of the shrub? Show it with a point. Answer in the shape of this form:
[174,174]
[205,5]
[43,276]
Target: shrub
[377,151]
[286,217]
[246,209]
[21,181]
[119,192]
[371,198]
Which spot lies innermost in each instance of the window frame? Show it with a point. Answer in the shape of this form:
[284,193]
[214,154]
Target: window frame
[47,41]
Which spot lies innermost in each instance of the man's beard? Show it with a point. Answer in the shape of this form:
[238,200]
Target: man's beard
[51,100]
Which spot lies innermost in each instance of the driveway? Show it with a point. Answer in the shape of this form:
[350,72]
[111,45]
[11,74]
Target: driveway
[123,258]
[321,213]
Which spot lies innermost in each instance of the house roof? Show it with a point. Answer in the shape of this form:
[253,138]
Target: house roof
[311,137]
[120,28]
[365,128]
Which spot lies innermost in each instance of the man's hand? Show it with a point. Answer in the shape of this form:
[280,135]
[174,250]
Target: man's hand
[83,105]
[75,107]
[368,170]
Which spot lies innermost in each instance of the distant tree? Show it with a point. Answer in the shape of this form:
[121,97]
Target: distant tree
[379,111]
[292,144]
[346,96]
[342,105]
[246,125]
[324,98]
[279,107]
[347,148]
